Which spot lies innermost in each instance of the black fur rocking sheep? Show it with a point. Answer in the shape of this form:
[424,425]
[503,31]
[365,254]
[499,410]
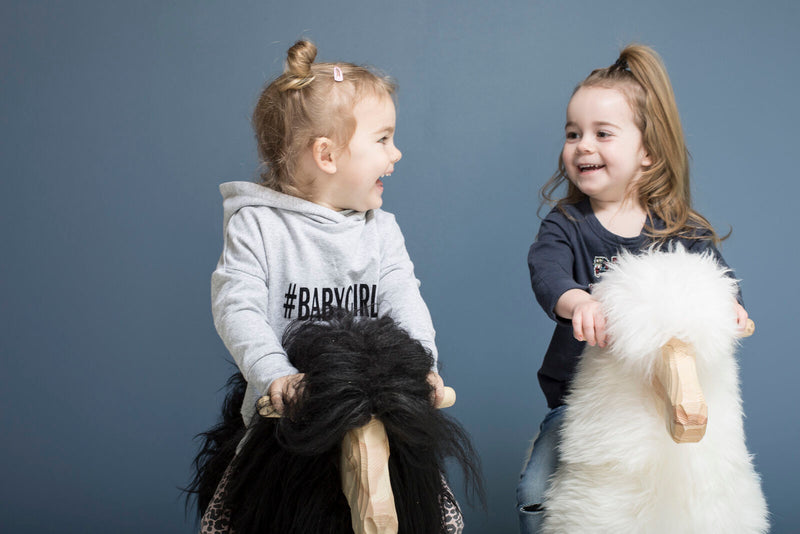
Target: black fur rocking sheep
[287,474]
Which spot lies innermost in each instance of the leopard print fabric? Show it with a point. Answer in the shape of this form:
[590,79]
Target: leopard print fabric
[451,513]
[217,519]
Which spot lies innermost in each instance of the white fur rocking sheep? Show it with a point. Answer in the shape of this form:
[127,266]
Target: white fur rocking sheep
[621,471]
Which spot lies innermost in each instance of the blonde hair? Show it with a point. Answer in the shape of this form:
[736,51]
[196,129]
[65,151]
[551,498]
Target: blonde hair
[663,190]
[304,103]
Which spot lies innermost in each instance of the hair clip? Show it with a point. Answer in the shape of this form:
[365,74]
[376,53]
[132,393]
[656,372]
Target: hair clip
[337,74]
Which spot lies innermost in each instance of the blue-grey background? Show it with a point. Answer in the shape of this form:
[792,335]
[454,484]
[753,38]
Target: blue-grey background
[119,120]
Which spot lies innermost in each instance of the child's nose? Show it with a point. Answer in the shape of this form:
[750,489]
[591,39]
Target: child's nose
[586,145]
[396,155]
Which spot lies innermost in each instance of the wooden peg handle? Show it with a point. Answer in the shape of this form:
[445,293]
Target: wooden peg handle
[449,398]
[749,328]
[265,409]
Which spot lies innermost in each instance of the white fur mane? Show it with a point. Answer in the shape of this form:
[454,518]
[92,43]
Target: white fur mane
[620,470]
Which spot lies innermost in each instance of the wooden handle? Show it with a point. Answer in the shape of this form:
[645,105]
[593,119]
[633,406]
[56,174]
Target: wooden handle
[265,409]
[749,328]
[449,398]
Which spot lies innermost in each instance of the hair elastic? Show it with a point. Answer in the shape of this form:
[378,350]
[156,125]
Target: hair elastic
[621,64]
[337,74]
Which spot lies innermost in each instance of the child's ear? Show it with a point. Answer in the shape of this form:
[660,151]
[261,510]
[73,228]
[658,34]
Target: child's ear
[323,152]
[646,160]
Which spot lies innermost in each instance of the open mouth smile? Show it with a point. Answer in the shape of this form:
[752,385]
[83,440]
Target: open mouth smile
[590,168]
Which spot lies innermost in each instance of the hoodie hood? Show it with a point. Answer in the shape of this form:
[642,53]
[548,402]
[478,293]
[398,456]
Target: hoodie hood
[238,195]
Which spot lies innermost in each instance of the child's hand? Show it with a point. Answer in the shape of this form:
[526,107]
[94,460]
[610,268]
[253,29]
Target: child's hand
[283,390]
[589,323]
[438,387]
[741,316]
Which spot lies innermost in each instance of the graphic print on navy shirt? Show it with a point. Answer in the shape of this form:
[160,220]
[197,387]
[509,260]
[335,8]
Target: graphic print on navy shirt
[601,264]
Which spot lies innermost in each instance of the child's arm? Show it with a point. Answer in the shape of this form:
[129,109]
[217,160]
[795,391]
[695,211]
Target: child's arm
[551,264]
[551,261]
[398,287]
[239,300]
[399,296]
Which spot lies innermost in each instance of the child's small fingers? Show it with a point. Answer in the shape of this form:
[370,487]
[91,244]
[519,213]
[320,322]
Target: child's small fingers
[276,398]
[600,332]
[589,332]
[577,328]
[294,387]
[741,315]
[437,393]
[599,321]
[602,340]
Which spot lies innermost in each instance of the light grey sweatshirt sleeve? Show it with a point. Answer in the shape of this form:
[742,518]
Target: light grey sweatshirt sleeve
[398,292]
[239,302]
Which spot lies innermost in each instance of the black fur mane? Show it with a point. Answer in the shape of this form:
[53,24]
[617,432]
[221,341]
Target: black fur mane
[286,476]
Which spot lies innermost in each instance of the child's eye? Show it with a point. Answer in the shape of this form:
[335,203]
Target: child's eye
[603,134]
[383,139]
[572,135]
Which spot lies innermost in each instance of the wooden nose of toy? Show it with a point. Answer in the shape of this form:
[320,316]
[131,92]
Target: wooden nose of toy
[364,464]
[676,382]
[365,479]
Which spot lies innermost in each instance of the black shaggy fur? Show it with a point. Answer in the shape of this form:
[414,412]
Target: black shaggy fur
[286,476]
[218,446]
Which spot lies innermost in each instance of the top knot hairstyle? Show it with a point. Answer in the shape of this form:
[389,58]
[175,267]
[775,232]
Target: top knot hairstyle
[286,476]
[309,100]
[664,188]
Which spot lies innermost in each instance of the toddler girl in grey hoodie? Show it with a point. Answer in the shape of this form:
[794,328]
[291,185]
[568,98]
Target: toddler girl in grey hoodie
[312,236]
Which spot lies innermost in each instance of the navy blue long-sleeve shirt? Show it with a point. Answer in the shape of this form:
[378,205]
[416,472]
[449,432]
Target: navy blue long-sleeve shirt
[571,253]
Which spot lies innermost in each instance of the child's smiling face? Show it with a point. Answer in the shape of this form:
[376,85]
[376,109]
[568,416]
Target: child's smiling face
[603,152]
[370,155]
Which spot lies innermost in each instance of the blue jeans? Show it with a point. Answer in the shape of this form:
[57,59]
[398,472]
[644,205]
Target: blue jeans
[541,465]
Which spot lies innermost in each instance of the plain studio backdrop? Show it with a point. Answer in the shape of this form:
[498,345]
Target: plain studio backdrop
[120,119]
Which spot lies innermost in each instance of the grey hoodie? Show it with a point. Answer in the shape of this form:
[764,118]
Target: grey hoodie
[285,258]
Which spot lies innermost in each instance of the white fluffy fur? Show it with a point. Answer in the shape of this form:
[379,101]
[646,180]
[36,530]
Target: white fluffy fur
[621,472]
